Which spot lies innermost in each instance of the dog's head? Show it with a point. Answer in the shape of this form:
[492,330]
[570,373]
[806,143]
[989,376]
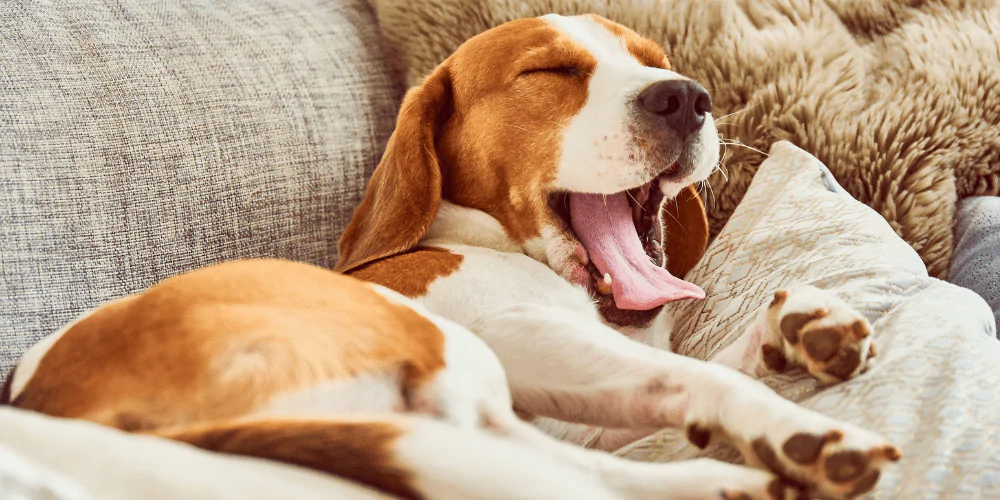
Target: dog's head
[567,130]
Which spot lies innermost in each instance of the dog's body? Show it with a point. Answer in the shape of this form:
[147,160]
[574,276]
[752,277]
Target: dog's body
[496,274]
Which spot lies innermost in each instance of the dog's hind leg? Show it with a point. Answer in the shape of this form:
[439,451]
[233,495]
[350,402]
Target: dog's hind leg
[406,456]
[569,367]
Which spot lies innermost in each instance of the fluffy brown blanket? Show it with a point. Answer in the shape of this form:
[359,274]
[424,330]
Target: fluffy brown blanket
[900,98]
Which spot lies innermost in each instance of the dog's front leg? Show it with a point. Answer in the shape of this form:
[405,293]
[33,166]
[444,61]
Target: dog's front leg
[568,366]
[803,327]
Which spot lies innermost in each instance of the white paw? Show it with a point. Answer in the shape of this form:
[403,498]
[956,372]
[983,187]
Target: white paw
[818,332]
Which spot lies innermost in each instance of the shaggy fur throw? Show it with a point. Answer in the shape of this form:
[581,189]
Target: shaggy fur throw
[900,98]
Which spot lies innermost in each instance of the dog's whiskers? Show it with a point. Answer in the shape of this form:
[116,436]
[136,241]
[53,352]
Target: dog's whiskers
[635,200]
[745,109]
[751,148]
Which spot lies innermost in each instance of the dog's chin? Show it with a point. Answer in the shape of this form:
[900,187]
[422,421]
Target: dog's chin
[646,202]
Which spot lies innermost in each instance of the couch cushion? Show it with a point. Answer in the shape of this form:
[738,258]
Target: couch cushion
[140,138]
[976,261]
[932,389]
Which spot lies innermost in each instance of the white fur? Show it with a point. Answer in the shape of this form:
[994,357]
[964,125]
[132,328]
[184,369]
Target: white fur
[366,393]
[562,362]
[597,155]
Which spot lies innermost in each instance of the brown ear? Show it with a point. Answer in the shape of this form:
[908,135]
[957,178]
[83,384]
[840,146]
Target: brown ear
[404,192]
[685,231]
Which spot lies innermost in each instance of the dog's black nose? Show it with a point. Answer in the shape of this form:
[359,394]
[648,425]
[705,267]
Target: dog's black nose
[682,102]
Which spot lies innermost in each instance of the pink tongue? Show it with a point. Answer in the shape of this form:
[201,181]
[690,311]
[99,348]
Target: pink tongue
[604,226]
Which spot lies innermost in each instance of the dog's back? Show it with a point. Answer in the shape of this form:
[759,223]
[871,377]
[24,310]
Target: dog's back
[220,343]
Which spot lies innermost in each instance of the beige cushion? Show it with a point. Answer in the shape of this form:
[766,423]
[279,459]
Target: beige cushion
[935,386]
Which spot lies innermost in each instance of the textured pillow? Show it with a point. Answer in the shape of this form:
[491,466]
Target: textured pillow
[976,261]
[142,138]
[935,386]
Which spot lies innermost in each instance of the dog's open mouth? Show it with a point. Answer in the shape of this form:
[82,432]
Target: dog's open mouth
[622,234]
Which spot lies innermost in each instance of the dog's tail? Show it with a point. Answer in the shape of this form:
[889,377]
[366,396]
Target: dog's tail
[405,456]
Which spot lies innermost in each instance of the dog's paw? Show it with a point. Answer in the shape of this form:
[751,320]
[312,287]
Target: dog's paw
[707,479]
[818,332]
[840,463]
[761,487]
[814,453]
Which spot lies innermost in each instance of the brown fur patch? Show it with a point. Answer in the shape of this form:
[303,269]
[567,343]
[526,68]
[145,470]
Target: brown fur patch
[359,451]
[495,79]
[508,175]
[384,224]
[410,273]
[5,391]
[644,50]
[219,342]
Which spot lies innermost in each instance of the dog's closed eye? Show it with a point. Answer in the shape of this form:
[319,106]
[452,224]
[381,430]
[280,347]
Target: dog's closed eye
[563,71]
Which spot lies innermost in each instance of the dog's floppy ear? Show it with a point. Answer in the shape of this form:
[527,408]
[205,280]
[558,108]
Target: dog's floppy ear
[404,193]
[685,231]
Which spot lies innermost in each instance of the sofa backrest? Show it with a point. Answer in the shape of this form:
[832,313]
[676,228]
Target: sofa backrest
[140,139]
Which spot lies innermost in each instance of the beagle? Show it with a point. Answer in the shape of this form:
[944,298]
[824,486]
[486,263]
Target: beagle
[531,213]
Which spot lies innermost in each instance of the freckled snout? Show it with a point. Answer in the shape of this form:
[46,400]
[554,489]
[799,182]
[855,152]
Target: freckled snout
[682,104]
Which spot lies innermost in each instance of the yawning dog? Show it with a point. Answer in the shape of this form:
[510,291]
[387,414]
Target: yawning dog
[532,211]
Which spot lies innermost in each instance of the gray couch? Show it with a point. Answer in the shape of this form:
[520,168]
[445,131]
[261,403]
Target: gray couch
[140,139]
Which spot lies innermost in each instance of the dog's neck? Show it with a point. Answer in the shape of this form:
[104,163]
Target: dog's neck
[458,225]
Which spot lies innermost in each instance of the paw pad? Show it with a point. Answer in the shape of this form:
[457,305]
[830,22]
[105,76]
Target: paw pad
[818,332]
[698,435]
[791,325]
[823,343]
[845,363]
[819,464]
[774,359]
[804,448]
[844,466]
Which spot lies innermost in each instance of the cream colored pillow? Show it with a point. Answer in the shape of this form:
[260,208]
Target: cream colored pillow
[935,386]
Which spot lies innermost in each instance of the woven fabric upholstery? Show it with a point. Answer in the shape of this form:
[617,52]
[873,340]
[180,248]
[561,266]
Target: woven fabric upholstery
[139,139]
[976,261]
